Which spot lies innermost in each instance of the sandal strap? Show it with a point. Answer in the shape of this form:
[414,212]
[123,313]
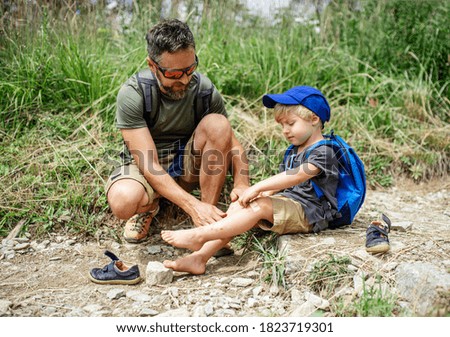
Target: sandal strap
[112,256]
[374,228]
[387,221]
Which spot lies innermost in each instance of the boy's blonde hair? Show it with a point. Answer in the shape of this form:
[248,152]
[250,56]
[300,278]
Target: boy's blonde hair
[281,110]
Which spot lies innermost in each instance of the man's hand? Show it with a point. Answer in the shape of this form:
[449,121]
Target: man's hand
[205,214]
[237,192]
[248,196]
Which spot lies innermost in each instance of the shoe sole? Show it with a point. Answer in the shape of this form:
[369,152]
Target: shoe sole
[382,248]
[129,240]
[129,282]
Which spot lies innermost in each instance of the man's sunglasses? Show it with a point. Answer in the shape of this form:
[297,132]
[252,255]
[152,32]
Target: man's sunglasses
[175,74]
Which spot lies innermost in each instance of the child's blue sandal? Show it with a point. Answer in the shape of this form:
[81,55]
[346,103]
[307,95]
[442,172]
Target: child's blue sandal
[115,273]
[377,240]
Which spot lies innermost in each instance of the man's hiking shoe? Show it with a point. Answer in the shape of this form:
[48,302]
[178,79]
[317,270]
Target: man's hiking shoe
[115,273]
[136,228]
[377,240]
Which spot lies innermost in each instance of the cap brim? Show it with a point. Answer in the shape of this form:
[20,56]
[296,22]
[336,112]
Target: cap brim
[270,100]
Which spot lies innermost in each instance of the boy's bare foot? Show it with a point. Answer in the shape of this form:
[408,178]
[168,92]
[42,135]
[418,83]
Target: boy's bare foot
[193,264]
[183,239]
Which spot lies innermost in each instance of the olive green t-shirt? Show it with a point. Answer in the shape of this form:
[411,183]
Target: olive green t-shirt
[176,120]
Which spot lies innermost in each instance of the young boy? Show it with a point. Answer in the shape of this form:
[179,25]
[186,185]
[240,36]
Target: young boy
[286,203]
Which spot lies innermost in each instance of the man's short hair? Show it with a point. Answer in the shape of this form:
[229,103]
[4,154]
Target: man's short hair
[168,36]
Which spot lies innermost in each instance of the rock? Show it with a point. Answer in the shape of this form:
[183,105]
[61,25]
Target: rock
[317,301]
[256,291]
[199,311]
[402,226]
[154,249]
[209,309]
[148,312]
[92,308]
[22,246]
[296,297]
[396,245]
[304,310]
[156,273]
[115,294]
[4,308]
[21,240]
[423,285]
[138,296]
[251,302]
[241,282]
[274,290]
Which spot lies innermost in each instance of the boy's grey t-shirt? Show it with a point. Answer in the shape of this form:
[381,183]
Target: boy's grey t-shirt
[176,120]
[323,158]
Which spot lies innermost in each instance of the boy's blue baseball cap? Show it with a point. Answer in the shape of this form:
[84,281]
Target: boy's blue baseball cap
[309,97]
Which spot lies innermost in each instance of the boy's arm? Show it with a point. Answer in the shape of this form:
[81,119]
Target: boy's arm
[280,182]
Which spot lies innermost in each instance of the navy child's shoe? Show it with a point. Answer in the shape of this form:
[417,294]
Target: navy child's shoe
[377,240]
[116,272]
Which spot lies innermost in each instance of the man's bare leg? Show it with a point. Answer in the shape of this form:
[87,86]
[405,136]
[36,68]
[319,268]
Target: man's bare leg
[212,140]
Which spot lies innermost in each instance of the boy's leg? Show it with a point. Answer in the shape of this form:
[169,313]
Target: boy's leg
[230,226]
[195,263]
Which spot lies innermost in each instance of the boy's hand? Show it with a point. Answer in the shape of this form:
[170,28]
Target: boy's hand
[237,192]
[248,196]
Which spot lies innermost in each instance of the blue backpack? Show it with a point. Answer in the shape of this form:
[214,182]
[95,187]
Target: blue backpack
[351,188]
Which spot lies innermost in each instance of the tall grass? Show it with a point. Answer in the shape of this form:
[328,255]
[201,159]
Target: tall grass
[62,65]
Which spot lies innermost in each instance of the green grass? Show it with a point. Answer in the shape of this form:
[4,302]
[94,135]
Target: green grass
[373,302]
[60,73]
[328,274]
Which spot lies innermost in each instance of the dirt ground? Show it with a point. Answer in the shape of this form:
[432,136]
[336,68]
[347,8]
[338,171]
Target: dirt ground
[51,278]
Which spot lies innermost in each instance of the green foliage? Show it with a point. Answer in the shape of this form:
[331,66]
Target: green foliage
[328,274]
[273,259]
[374,302]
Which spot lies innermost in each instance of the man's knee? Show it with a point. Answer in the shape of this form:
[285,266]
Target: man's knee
[215,128]
[124,198]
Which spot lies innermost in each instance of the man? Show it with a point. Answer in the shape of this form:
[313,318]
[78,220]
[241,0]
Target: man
[172,140]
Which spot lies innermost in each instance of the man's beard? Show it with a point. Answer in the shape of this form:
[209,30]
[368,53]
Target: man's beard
[169,92]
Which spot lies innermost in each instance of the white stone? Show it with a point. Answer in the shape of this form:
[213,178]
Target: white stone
[241,282]
[402,226]
[317,301]
[156,273]
[4,307]
[305,310]
[115,294]
[154,249]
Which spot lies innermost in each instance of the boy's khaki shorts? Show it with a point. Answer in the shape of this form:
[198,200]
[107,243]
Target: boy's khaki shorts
[189,177]
[288,217]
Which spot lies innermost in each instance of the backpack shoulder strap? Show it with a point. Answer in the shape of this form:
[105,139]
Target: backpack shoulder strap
[202,102]
[150,92]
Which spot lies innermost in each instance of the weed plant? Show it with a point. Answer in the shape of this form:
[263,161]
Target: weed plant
[373,302]
[62,64]
[329,274]
[273,259]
